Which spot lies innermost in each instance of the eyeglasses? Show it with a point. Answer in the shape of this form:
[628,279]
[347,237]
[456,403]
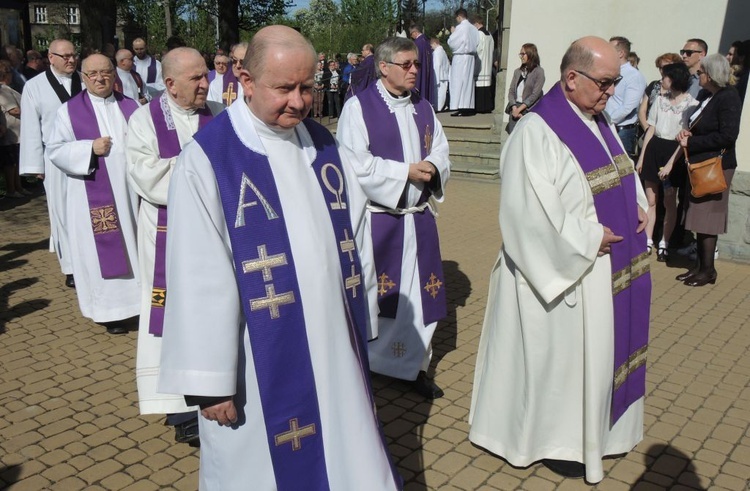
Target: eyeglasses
[603,85]
[522,54]
[406,66]
[70,56]
[97,74]
[690,52]
[236,61]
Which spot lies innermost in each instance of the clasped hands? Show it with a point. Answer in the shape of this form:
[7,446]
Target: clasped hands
[422,171]
[102,146]
[610,238]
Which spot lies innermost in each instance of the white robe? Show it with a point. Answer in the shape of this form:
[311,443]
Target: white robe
[206,350]
[384,181]
[442,68]
[39,104]
[129,85]
[485,52]
[148,176]
[156,87]
[543,378]
[102,300]
[216,90]
[463,42]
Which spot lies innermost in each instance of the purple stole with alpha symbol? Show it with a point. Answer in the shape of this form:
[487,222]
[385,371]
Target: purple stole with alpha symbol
[105,223]
[169,146]
[614,189]
[387,228]
[267,280]
[229,84]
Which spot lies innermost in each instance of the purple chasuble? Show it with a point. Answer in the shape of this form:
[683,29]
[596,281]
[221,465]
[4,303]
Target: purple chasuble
[151,73]
[169,146]
[267,280]
[614,189]
[362,77]
[105,223]
[425,75]
[229,84]
[387,228]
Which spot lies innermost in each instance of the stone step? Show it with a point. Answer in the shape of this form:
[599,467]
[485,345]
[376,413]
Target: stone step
[461,169]
[474,143]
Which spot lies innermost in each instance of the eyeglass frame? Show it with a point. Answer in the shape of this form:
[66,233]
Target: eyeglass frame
[603,85]
[690,52]
[406,66]
[72,56]
[233,61]
[95,74]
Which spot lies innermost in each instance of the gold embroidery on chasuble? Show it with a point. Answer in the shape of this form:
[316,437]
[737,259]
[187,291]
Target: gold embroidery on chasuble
[385,284]
[433,285]
[272,301]
[622,279]
[104,219]
[158,297]
[610,175]
[347,245]
[624,165]
[337,191]
[295,434]
[246,184]
[634,361]
[230,95]
[264,263]
[353,282]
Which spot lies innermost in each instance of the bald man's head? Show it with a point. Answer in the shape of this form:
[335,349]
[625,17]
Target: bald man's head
[98,75]
[185,77]
[275,38]
[124,59]
[590,69]
[62,56]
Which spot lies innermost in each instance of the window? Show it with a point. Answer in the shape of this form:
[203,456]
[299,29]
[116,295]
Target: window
[40,14]
[73,15]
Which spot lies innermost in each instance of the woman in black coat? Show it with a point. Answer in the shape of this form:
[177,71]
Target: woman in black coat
[715,127]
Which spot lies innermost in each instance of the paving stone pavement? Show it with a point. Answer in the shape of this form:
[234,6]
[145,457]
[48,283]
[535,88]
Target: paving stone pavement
[69,418]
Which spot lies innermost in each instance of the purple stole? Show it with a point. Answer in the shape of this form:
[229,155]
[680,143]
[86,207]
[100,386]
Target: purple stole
[211,76]
[272,304]
[169,146]
[105,223]
[425,75]
[229,84]
[151,73]
[388,229]
[613,187]
[138,81]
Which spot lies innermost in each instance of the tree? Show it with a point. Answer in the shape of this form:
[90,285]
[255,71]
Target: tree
[371,21]
[98,20]
[317,24]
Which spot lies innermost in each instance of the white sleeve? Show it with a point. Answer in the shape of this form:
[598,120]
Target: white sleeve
[71,156]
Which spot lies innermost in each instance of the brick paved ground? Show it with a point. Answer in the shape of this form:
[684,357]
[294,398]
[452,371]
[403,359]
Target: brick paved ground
[68,416]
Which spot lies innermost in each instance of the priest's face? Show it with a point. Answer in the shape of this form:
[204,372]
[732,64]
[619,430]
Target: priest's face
[400,74]
[221,63]
[236,59]
[62,57]
[98,75]
[280,94]
[139,47]
[189,85]
[590,89]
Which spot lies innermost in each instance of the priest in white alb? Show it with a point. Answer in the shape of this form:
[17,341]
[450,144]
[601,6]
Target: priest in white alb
[561,366]
[402,164]
[41,98]
[88,145]
[158,132]
[127,80]
[265,321]
[148,67]
[227,88]
[442,68]
[484,95]
[463,42]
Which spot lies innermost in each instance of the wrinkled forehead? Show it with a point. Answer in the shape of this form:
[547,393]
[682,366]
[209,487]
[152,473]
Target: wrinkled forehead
[408,55]
[96,63]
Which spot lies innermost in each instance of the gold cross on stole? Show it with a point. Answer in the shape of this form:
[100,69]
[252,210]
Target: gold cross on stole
[103,219]
[264,263]
[347,245]
[230,95]
[433,286]
[384,284]
[272,301]
[353,282]
[295,434]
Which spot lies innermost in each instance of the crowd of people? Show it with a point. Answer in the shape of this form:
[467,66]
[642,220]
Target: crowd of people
[272,267]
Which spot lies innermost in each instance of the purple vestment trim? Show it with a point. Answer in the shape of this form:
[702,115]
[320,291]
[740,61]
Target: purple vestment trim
[362,77]
[151,73]
[169,146]
[266,276]
[615,208]
[105,222]
[229,80]
[137,78]
[211,76]
[388,229]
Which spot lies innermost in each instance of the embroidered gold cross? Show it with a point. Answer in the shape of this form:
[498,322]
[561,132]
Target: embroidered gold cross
[384,284]
[264,263]
[433,286]
[295,434]
[353,282]
[272,301]
[103,219]
[399,349]
[230,95]
[347,245]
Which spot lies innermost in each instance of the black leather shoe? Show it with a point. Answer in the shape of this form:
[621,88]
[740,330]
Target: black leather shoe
[686,275]
[426,387]
[69,281]
[457,113]
[187,432]
[565,468]
[662,255]
[701,279]
[117,329]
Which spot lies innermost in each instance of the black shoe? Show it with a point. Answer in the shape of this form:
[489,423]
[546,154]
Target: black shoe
[701,279]
[457,113]
[686,275]
[117,329]
[426,387]
[662,255]
[69,281]
[565,468]
[187,432]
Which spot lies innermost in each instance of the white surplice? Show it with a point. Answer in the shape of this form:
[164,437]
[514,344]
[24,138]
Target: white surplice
[39,104]
[442,68]
[129,85]
[543,378]
[384,182]
[148,176]
[463,43]
[156,87]
[216,90]
[206,350]
[102,300]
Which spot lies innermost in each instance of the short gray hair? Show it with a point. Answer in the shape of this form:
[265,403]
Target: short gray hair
[717,69]
[388,49]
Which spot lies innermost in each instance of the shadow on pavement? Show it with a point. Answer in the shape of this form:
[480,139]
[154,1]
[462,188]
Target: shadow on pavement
[668,463]
[8,313]
[9,475]
[9,259]
[458,289]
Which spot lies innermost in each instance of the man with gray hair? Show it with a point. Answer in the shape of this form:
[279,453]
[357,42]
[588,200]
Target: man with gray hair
[561,368]
[403,166]
[157,133]
[265,325]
